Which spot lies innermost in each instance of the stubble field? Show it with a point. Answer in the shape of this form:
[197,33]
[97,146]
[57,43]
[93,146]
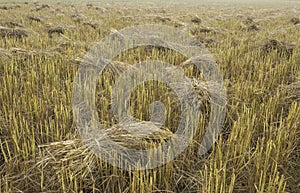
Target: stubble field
[256,47]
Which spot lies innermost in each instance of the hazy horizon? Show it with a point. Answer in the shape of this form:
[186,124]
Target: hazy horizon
[146,1]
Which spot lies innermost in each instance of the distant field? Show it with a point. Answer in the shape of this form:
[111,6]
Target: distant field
[255,45]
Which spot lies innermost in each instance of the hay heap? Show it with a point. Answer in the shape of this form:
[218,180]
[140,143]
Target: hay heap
[156,135]
[282,48]
[34,18]
[78,18]
[295,20]
[162,19]
[23,52]
[89,5]
[13,32]
[208,41]
[91,23]
[250,25]
[196,19]
[4,7]
[206,30]
[55,30]
[291,92]
[73,151]
[40,7]
[11,24]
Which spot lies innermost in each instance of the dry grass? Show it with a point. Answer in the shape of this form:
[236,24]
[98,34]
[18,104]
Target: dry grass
[12,32]
[256,48]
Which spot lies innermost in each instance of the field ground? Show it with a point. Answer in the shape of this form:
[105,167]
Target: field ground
[256,46]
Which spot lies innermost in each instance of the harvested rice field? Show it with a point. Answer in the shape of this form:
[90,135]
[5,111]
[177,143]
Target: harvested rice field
[142,97]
